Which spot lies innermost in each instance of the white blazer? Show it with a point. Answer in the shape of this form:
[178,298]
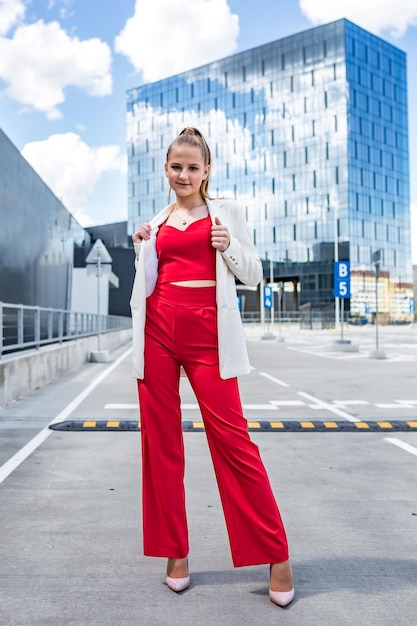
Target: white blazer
[240,260]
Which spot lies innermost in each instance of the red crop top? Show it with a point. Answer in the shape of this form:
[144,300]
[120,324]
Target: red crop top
[186,254]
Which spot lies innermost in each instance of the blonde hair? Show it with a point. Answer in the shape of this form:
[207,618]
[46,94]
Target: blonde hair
[192,137]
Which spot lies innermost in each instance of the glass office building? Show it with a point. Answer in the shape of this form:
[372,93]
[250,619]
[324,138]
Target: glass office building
[310,134]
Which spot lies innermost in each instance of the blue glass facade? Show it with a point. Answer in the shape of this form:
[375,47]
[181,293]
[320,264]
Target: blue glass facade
[309,133]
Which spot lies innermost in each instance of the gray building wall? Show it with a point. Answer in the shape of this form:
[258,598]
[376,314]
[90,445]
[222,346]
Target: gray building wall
[37,236]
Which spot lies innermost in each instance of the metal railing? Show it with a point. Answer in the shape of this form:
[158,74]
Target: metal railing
[23,327]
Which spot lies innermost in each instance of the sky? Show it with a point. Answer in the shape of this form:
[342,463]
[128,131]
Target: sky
[65,67]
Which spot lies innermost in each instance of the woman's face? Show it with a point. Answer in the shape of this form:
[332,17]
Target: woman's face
[185,170]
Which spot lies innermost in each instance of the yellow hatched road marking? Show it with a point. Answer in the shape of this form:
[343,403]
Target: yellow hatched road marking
[307,425]
[113,424]
[384,424]
[277,425]
[361,425]
[330,424]
[198,425]
[412,424]
[254,425]
[89,424]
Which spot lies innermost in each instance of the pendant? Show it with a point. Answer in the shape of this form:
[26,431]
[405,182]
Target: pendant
[184,223]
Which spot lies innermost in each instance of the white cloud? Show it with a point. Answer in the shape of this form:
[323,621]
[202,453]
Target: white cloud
[72,169]
[11,11]
[41,60]
[374,15]
[164,37]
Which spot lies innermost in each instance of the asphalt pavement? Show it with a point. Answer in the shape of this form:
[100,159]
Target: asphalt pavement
[71,545]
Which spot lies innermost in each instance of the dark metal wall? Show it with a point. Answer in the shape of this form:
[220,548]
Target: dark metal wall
[37,236]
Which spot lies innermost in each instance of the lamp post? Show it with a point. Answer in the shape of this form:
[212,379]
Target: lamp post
[336,259]
[280,286]
[377,353]
[269,334]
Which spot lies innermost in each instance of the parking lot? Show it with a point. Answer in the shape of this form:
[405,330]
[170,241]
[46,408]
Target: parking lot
[70,500]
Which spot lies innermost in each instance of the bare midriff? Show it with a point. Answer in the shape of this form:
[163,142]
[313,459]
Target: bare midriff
[195,283]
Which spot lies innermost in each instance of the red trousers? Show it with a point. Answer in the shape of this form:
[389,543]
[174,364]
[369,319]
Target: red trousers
[181,329]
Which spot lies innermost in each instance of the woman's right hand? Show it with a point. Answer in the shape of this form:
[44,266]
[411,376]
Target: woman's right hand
[143,232]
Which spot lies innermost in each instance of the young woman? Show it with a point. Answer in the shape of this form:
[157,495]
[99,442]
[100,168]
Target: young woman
[185,314]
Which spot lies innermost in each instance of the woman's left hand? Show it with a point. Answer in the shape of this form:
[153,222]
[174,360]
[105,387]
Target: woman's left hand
[220,236]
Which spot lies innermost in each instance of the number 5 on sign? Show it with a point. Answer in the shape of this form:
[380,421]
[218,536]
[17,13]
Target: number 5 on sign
[342,279]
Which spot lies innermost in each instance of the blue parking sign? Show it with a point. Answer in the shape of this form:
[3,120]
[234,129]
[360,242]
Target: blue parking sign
[267,297]
[412,305]
[342,279]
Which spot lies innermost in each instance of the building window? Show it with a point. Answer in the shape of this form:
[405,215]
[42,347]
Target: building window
[337,174]
[274,234]
[305,154]
[314,179]
[254,189]
[293,182]
[285,158]
[312,78]
[307,206]
[272,138]
[273,185]
[294,228]
[325,99]
[244,74]
[313,125]
[327,150]
[263,67]
[315,230]
[286,208]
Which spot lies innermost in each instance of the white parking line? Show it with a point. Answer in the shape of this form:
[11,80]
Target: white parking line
[319,404]
[402,444]
[7,468]
[275,380]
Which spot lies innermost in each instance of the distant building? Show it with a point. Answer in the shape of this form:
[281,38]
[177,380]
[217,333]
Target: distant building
[310,133]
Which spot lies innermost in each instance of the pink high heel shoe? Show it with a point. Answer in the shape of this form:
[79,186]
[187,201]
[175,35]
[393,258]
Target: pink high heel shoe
[282,598]
[178,584]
